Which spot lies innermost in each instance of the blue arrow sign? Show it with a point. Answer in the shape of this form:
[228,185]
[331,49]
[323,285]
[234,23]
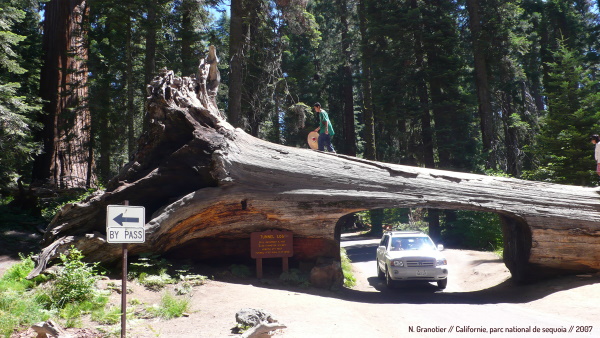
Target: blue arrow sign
[120,219]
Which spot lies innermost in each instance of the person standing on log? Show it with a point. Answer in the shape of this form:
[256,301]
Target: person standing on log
[325,129]
[595,139]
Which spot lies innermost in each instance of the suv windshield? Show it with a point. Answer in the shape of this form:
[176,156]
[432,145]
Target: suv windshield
[411,243]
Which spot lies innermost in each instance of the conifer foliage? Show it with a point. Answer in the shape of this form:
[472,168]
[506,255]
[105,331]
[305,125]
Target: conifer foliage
[478,86]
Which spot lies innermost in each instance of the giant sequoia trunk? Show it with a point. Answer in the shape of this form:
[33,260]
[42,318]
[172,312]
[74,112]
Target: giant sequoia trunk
[206,186]
[67,160]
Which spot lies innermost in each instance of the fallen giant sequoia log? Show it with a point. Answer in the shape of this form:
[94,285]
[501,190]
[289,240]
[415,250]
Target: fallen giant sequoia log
[206,186]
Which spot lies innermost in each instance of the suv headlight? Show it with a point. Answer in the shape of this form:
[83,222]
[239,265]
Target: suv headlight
[441,262]
[397,263]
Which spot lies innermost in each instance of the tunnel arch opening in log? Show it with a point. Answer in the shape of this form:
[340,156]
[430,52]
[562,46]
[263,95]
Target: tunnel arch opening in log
[515,238]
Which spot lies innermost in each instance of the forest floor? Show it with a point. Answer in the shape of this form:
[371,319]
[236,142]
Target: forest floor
[348,312]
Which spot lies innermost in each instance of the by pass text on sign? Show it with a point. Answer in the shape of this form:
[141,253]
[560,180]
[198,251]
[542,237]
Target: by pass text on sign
[271,244]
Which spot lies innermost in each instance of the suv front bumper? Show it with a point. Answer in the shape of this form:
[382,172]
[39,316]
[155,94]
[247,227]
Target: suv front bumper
[423,273]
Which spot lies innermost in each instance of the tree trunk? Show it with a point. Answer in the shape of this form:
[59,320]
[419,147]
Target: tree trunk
[236,44]
[101,128]
[151,31]
[66,161]
[349,134]
[422,93]
[377,216]
[426,130]
[482,84]
[130,113]
[511,138]
[452,123]
[206,187]
[366,61]
[188,61]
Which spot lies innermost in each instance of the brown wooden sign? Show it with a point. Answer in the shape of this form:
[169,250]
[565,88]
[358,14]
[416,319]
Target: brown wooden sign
[271,244]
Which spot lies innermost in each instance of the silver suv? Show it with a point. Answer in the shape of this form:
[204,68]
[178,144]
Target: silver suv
[411,255]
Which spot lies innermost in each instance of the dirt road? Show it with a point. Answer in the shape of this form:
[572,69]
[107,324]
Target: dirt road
[479,297]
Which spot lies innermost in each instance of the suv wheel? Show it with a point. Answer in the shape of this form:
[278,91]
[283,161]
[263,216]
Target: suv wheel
[442,283]
[389,282]
[380,273]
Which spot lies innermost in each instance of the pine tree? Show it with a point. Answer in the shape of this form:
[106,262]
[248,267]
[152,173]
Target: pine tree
[572,117]
[17,100]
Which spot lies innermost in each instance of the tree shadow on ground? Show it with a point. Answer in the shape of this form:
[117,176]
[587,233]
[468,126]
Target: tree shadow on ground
[427,293]
[18,232]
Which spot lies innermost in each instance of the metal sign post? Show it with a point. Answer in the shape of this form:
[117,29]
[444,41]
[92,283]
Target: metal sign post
[124,293]
[125,224]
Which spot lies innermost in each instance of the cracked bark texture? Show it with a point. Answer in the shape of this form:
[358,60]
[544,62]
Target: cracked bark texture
[206,186]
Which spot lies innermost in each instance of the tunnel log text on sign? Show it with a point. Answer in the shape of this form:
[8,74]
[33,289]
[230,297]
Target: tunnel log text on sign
[271,244]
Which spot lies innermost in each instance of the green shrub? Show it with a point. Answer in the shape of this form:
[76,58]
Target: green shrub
[75,282]
[242,271]
[155,282]
[170,307]
[295,277]
[188,282]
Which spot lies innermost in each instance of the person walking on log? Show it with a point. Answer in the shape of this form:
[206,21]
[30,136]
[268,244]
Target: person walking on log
[325,129]
[595,139]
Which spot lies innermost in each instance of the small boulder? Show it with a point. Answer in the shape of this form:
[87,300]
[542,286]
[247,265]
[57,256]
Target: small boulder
[261,323]
[253,317]
[327,273]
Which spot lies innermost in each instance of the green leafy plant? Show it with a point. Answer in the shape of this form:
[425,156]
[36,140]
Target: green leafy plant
[474,230]
[135,301]
[188,282]
[72,312]
[18,302]
[52,206]
[107,315]
[151,271]
[295,277]
[155,282]
[242,271]
[170,307]
[241,328]
[150,264]
[18,309]
[349,279]
[75,282]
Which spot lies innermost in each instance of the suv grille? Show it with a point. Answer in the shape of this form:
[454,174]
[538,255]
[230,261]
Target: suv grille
[419,262]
